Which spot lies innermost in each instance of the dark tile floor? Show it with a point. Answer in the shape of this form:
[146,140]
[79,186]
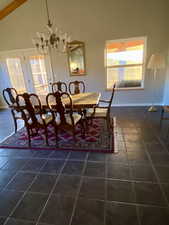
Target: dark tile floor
[73,188]
[6,124]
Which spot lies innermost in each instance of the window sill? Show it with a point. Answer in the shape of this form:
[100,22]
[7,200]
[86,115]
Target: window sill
[126,89]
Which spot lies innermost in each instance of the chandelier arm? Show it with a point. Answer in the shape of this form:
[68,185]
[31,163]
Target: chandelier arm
[53,39]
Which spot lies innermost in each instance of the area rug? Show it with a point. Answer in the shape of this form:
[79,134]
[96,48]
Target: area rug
[98,139]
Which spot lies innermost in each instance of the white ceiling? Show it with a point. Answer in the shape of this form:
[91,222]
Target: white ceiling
[4,3]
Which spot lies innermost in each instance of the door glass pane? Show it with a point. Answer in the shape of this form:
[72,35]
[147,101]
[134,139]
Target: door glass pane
[39,74]
[16,74]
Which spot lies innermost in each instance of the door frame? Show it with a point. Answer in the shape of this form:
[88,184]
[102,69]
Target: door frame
[24,55]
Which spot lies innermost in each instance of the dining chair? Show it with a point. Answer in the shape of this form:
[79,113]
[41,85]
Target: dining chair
[59,86]
[64,119]
[28,105]
[164,110]
[76,87]
[101,111]
[9,95]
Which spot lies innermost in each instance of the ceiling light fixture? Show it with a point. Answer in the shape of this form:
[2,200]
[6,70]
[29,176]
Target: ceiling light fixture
[53,38]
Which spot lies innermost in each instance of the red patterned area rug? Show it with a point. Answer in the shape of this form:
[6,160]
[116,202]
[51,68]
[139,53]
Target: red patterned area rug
[98,139]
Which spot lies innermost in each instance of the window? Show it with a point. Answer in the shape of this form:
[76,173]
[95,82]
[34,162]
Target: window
[125,62]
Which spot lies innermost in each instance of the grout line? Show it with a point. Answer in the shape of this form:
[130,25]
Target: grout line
[50,194]
[13,133]
[21,220]
[162,143]
[24,193]
[3,165]
[106,179]
[17,172]
[105,191]
[78,191]
[134,191]
[129,203]
[48,158]
[157,177]
[4,188]
[89,177]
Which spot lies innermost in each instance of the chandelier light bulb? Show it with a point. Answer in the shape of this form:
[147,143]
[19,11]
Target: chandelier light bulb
[52,38]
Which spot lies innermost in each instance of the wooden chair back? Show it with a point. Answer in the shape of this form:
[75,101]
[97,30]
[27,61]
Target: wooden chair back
[56,105]
[76,87]
[9,95]
[29,104]
[111,98]
[59,86]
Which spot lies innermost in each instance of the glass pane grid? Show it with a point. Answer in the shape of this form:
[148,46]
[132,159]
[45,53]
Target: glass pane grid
[39,74]
[124,77]
[16,74]
[124,62]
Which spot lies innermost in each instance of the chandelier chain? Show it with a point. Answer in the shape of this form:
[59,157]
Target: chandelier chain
[53,38]
[47,10]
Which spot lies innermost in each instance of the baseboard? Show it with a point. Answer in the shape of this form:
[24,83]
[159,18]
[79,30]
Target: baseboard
[136,105]
[117,105]
[3,107]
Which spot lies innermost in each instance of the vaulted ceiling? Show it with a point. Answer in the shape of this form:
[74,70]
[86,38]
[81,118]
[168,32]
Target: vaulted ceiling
[8,6]
[4,3]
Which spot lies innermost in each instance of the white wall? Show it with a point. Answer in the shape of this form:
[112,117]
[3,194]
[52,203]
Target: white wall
[166,87]
[4,82]
[94,22]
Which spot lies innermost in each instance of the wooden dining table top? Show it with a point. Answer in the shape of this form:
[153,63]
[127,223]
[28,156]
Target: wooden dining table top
[82,100]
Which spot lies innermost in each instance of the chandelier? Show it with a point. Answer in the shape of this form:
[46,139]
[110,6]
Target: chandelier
[53,38]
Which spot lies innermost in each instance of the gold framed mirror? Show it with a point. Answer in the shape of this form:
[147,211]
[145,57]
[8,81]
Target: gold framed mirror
[76,58]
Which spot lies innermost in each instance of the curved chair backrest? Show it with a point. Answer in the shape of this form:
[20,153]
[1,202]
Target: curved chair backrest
[28,104]
[59,86]
[76,87]
[57,103]
[9,95]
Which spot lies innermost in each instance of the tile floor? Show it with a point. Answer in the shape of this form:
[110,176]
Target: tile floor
[67,188]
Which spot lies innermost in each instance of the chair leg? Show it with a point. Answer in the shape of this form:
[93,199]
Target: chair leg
[56,134]
[46,136]
[15,121]
[83,128]
[84,120]
[108,123]
[74,135]
[85,124]
[162,115]
[91,121]
[29,137]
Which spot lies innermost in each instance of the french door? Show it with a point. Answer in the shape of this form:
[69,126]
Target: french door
[15,72]
[39,74]
[28,71]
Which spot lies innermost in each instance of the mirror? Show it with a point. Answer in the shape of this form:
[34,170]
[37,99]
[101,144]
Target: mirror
[76,58]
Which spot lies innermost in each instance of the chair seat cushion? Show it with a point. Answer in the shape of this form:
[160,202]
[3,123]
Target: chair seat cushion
[99,112]
[47,118]
[76,118]
[17,114]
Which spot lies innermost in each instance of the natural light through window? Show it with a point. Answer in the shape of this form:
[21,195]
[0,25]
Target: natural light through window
[39,74]
[16,74]
[124,62]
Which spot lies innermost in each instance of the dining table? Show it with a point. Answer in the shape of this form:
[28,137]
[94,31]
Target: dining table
[79,101]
